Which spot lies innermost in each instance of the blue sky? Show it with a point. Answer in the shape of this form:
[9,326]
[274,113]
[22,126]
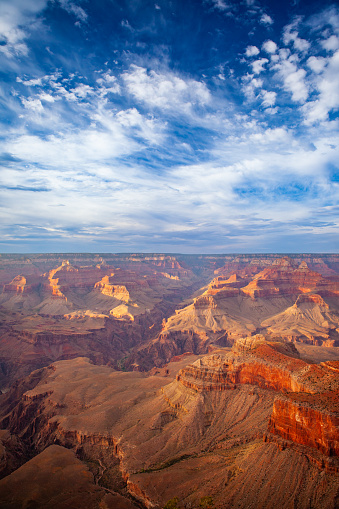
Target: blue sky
[196,126]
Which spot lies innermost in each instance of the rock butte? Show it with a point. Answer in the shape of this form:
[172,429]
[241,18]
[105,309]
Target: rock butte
[139,378]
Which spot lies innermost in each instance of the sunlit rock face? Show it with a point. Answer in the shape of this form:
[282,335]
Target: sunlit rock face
[307,410]
[173,376]
[239,423]
[138,311]
[85,306]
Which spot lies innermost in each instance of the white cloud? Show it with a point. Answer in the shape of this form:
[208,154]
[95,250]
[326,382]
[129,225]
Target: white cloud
[328,89]
[258,65]
[269,98]
[70,149]
[269,46]
[47,97]
[108,78]
[125,24]
[16,17]
[294,79]
[291,36]
[149,128]
[250,86]
[284,53]
[317,64]
[266,20]
[82,91]
[30,83]
[252,51]
[73,8]
[295,83]
[221,5]
[166,91]
[32,104]
[301,44]
[331,44]
[109,84]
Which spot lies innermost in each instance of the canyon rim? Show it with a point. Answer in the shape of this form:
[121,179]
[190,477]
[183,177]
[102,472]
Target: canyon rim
[169,268]
[133,380]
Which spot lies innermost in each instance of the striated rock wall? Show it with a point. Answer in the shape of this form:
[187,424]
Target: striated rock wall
[22,285]
[204,376]
[120,292]
[171,440]
[305,425]
[309,412]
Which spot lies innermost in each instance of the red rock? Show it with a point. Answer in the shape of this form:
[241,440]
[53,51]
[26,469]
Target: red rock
[21,284]
[303,423]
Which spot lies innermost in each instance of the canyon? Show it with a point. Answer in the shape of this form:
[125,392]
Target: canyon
[139,378]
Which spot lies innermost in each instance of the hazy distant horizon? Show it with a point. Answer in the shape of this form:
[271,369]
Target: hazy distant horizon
[160,253]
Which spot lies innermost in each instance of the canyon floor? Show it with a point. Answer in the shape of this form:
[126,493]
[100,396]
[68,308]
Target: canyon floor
[129,380]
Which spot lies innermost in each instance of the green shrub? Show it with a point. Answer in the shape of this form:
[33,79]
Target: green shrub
[172,504]
[206,503]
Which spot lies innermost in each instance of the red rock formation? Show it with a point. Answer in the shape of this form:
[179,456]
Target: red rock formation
[305,421]
[120,292]
[308,414]
[283,278]
[271,364]
[205,301]
[224,287]
[21,284]
[252,361]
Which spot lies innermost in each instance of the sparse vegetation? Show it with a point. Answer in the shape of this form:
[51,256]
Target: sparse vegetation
[172,504]
[204,503]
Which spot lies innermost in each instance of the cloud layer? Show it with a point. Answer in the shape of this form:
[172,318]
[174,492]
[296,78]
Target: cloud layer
[111,144]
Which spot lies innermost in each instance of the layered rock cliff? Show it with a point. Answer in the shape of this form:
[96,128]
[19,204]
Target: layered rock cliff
[306,414]
[286,299]
[213,429]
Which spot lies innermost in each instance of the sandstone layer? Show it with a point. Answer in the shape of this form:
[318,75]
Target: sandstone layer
[116,350]
[287,299]
[215,427]
[137,311]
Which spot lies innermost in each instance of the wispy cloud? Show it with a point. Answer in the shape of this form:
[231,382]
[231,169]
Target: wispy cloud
[15,23]
[139,149]
[75,9]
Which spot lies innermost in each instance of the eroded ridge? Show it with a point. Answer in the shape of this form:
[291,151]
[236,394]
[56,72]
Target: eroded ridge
[306,408]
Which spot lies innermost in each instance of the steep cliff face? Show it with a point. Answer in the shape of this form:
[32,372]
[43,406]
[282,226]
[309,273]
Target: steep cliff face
[286,299]
[21,284]
[270,365]
[173,439]
[307,424]
[120,292]
[307,414]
